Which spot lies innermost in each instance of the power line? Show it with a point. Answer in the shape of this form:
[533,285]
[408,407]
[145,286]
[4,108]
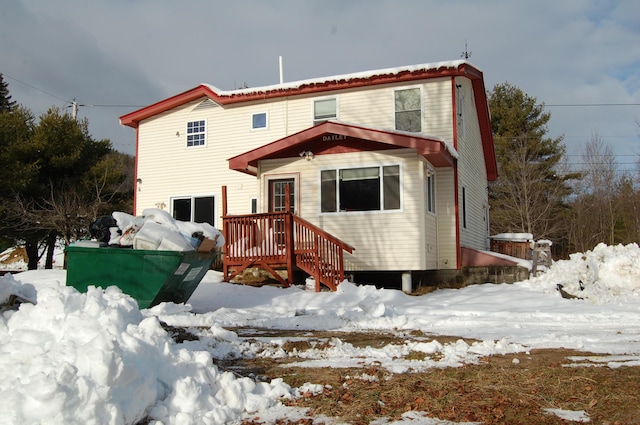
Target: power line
[36,88]
[589,104]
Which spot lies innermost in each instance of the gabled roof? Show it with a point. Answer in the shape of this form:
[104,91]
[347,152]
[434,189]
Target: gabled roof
[339,137]
[459,68]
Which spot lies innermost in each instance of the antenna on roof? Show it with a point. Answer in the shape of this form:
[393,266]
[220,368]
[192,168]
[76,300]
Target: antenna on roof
[280,65]
[466,54]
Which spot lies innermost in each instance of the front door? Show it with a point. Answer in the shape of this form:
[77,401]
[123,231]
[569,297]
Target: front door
[278,203]
[277,194]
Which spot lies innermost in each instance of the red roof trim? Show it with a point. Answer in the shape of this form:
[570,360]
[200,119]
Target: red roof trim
[433,150]
[463,69]
[133,118]
[347,81]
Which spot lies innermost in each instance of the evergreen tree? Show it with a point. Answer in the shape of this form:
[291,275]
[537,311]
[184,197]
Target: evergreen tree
[529,194]
[66,179]
[6,104]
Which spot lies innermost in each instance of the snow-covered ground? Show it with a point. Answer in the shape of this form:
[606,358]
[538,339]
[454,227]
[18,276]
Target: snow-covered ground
[95,358]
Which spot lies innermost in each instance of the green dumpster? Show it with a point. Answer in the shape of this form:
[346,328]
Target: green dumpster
[151,277]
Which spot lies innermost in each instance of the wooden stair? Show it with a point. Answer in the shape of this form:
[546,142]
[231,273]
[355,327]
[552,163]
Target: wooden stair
[281,240]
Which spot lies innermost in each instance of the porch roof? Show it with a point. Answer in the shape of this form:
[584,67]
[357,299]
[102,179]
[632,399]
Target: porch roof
[333,137]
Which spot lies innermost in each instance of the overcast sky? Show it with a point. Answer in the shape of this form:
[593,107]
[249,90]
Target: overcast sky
[115,56]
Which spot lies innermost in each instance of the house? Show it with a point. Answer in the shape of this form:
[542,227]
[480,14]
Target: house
[394,162]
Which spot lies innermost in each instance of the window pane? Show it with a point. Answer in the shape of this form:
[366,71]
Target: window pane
[203,211]
[324,109]
[361,194]
[259,120]
[408,110]
[408,121]
[407,100]
[278,199]
[328,199]
[391,180]
[359,173]
[182,209]
[196,133]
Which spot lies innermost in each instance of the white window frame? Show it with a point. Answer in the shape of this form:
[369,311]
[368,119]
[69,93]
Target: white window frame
[395,112]
[203,133]
[381,210]
[266,121]
[193,198]
[317,120]
[430,189]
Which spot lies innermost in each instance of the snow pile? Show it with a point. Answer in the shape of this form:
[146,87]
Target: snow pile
[93,358]
[96,358]
[606,274]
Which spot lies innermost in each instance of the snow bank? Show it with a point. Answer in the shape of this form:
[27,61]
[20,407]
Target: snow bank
[606,274]
[94,359]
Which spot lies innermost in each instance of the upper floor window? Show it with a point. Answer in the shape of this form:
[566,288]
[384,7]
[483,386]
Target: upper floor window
[360,189]
[408,109]
[196,134]
[324,110]
[259,121]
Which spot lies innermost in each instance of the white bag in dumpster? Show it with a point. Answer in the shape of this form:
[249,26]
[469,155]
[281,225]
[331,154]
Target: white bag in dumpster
[157,230]
[152,236]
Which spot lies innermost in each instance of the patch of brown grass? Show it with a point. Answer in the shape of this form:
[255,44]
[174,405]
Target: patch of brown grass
[498,390]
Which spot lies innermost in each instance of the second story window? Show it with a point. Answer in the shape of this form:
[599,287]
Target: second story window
[408,109]
[324,110]
[196,134]
[259,121]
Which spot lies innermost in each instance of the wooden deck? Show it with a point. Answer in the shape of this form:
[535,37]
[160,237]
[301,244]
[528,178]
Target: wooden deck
[281,240]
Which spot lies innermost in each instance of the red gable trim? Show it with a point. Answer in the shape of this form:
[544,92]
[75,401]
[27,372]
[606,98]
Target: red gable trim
[312,139]
[133,118]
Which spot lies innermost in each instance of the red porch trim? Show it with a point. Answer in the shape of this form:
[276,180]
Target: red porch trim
[344,137]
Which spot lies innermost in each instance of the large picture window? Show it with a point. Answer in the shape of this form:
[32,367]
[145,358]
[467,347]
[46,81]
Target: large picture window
[408,110]
[360,189]
[324,110]
[196,133]
[197,209]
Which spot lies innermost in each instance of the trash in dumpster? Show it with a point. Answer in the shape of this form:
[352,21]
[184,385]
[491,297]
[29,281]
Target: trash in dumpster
[165,261]
[155,230]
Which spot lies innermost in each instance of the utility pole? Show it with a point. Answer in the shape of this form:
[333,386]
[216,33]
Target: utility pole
[74,109]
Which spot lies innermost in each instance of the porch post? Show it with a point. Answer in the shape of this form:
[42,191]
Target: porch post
[289,235]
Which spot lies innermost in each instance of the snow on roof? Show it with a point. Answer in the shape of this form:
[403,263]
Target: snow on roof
[343,77]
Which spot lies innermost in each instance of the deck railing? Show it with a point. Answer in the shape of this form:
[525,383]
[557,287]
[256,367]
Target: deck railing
[282,240]
[319,253]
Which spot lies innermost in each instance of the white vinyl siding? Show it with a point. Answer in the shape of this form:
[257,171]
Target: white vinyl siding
[406,239]
[472,176]
[380,239]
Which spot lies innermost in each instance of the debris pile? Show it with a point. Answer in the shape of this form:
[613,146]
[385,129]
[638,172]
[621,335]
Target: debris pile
[155,229]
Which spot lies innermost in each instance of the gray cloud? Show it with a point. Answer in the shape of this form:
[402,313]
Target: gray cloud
[140,51]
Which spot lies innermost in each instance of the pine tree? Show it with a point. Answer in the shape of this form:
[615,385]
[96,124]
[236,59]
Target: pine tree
[6,104]
[529,194]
